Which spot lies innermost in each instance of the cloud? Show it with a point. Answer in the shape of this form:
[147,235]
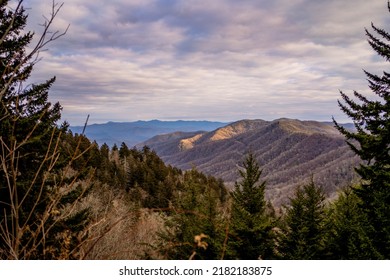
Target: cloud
[220,60]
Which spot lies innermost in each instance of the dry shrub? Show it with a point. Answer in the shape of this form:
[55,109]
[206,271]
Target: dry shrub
[120,229]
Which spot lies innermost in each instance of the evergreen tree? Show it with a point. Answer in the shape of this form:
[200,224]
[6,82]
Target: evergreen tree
[302,237]
[35,192]
[371,142]
[124,151]
[347,239]
[251,228]
[149,179]
[105,151]
[196,227]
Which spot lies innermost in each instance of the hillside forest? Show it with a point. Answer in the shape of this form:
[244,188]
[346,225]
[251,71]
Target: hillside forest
[63,196]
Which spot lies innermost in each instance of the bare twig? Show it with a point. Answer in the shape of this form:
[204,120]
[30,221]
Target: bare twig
[46,37]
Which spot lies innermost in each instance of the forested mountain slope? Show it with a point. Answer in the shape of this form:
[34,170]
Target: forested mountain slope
[289,151]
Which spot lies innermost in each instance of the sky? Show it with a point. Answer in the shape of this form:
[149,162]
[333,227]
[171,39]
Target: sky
[218,60]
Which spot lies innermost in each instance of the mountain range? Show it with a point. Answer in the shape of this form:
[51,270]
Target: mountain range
[290,153]
[133,133]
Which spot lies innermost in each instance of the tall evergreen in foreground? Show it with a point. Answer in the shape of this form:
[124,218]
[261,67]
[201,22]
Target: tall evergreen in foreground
[251,224]
[38,194]
[305,227]
[195,225]
[347,239]
[371,142]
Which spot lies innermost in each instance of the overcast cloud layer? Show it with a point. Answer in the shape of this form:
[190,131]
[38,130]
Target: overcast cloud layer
[125,60]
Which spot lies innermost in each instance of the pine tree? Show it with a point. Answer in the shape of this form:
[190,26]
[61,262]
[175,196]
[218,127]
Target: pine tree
[371,142]
[251,229]
[196,227]
[347,239]
[124,151]
[302,237]
[36,220]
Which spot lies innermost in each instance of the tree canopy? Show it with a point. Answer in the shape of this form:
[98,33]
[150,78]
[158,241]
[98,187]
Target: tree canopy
[371,142]
[37,220]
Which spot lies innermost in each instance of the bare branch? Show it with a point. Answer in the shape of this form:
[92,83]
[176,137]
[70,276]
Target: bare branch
[45,38]
[19,6]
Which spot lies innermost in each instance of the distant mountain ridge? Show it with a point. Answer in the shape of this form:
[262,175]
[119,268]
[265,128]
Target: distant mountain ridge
[290,152]
[133,133]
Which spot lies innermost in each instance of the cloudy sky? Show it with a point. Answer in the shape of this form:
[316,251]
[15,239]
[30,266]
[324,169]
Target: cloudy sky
[127,60]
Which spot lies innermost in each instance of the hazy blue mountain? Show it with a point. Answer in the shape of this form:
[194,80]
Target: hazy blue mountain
[133,133]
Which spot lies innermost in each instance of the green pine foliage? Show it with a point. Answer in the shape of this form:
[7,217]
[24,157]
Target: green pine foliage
[347,238]
[303,233]
[149,180]
[371,142]
[251,225]
[195,223]
[38,193]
